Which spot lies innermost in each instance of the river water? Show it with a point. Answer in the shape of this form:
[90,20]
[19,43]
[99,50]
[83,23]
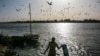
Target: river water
[82,39]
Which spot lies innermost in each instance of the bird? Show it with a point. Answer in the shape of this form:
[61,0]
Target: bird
[98,1]
[49,3]
[95,6]
[68,3]
[41,5]
[79,13]
[18,10]
[86,14]
[4,5]
[22,5]
[89,5]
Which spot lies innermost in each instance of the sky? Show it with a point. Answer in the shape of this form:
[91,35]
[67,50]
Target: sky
[18,10]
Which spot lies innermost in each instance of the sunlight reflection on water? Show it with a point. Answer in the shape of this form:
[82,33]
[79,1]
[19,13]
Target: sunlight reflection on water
[76,36]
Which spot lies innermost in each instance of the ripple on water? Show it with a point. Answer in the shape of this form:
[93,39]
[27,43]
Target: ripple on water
[74,48]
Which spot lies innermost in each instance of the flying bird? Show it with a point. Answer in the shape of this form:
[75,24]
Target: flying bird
[4,5]
[21,5]
[95,6]
[18,10]
[82,6]
[49,3]
[86,14]
[41,5]
[98,1]
[69,3]
[79,13]
[89,5]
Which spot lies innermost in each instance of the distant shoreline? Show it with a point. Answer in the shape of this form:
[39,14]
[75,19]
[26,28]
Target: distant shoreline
[57,21]
[50,22]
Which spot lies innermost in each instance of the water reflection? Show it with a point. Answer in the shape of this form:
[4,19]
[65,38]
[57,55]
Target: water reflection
[79,37]
[63,28]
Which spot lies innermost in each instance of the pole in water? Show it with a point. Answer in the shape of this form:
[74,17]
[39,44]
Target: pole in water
[30,19]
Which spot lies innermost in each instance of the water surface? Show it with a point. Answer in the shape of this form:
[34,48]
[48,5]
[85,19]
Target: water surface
[82,39]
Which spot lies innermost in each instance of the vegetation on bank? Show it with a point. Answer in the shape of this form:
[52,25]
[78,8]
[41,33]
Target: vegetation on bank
[18,41]
[9,43]
[58,21]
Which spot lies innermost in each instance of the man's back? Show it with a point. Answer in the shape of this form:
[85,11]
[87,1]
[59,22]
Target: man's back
[52,46]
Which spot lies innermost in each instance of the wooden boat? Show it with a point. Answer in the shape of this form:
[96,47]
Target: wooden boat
[28,39]
[15,41]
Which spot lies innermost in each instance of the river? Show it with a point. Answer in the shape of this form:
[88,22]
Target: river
[82,39]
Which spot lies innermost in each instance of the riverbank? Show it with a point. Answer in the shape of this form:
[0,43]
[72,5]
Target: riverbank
[19,41]
[9,43]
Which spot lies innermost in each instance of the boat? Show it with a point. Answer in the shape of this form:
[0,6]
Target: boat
[28,39]
[21,41]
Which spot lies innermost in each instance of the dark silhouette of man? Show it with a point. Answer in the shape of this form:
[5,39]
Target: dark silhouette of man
[52,46]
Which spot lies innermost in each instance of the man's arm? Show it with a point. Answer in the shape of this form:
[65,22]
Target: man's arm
[58,46]
[47,48]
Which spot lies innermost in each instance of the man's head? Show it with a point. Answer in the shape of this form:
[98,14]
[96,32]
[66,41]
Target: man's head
[53,39]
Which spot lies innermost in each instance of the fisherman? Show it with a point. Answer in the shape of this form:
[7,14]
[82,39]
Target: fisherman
[52,46]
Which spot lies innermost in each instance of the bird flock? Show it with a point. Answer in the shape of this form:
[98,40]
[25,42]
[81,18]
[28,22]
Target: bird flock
[65,12]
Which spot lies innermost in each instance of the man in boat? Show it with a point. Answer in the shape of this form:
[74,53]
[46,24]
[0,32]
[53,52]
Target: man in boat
[52,46]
